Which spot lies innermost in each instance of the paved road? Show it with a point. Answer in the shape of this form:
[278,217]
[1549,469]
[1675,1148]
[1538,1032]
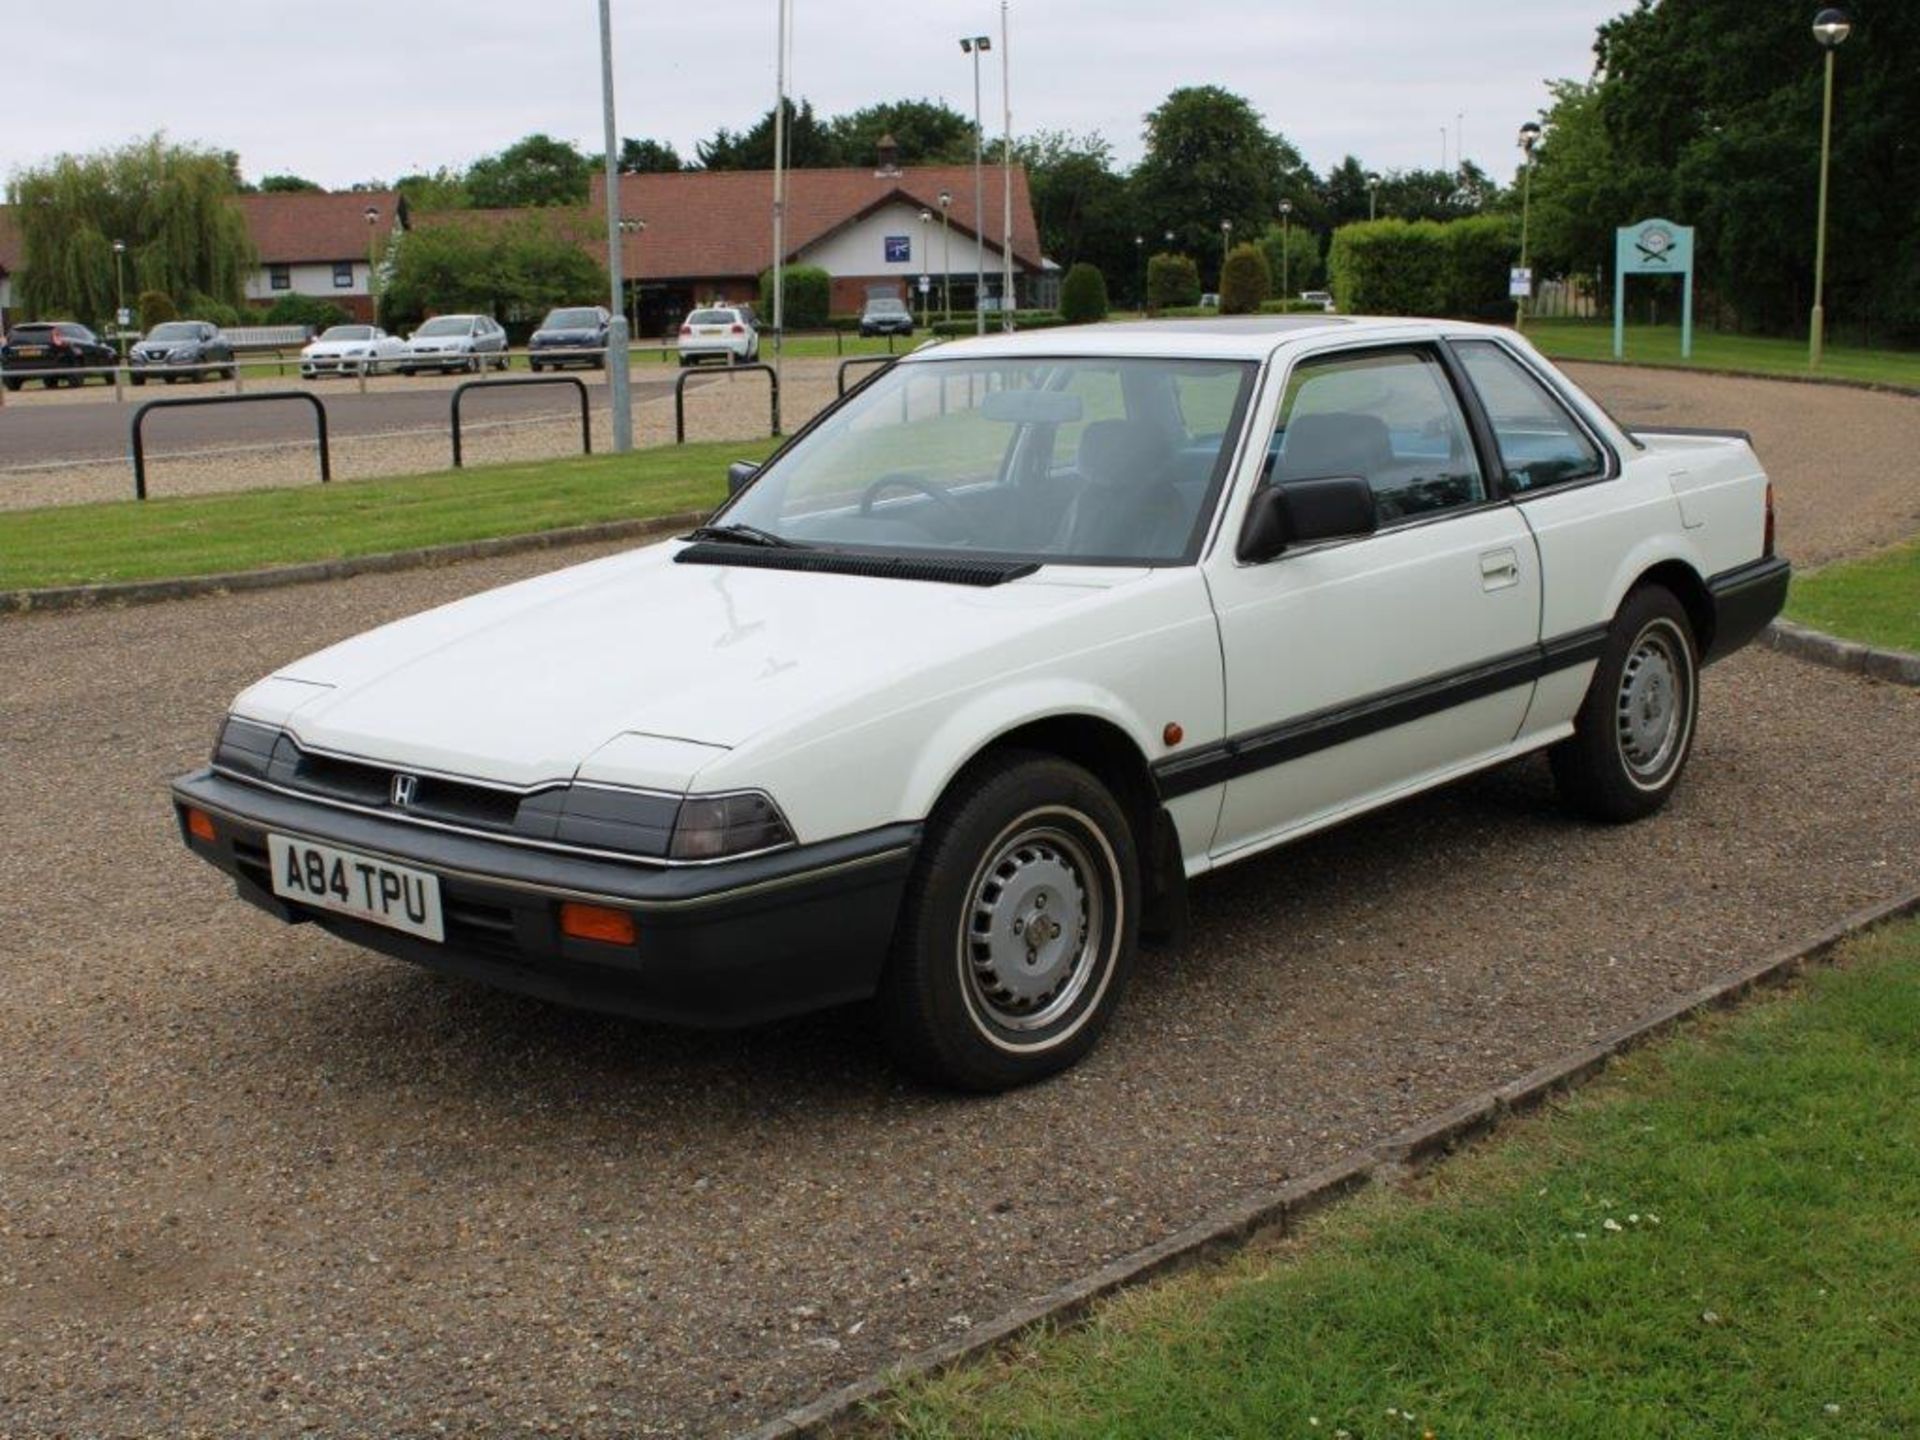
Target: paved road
[71,428]
[256,1182]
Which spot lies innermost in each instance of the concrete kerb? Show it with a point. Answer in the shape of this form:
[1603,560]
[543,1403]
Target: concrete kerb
[1896,667]
[144,592]
[1276,1212]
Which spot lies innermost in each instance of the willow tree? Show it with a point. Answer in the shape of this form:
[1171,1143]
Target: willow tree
[170,204]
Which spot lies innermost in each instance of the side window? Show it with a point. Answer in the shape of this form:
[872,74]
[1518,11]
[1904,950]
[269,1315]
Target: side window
[1540,443]
[1388,416]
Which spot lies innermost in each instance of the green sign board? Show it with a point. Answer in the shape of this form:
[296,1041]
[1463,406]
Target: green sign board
[1652,247]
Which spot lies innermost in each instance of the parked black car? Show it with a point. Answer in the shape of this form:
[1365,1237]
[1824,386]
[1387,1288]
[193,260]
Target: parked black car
[582,327]
[54,350]
[181,349]
[886,315]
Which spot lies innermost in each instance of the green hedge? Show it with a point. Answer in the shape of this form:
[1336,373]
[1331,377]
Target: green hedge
[1083,295]
[809,291]
[1022,320]
[1172,280]
[295,309]
[1398,267]
[1244,281]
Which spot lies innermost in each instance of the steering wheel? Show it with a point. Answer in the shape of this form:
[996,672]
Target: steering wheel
[900,480]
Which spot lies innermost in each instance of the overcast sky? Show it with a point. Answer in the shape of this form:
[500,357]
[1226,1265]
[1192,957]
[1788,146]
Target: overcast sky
[354,89]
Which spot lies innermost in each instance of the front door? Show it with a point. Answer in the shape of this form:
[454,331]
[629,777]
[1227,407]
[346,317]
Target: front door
[1360,668]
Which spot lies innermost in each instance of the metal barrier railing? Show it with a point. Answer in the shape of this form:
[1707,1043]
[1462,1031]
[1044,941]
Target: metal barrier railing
[184,401]
[885,362]
[460,391]
[680,397]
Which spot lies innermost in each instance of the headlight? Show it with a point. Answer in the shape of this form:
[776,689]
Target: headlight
[709,827]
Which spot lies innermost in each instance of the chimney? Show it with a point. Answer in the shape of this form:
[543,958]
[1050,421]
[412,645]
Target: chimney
[889,157]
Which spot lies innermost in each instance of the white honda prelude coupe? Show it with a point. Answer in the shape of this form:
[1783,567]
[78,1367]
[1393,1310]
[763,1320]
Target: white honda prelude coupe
[956,693]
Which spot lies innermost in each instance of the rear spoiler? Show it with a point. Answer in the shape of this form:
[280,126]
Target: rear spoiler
[1691,430]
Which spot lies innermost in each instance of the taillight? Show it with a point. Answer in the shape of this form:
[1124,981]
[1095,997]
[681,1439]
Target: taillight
[686,329]
[58,341]
[1766,547]
[739,329]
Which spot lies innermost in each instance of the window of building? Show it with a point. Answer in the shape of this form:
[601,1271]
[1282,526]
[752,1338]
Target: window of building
[279,277]
[343,274]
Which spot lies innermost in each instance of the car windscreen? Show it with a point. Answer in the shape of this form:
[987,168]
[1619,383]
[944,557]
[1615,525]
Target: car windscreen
[175,330]
[572,320]
[446,325]
[1082,460]
[347,332]
[713,317]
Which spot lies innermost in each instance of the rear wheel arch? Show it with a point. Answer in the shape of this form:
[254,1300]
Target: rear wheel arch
[1686,586]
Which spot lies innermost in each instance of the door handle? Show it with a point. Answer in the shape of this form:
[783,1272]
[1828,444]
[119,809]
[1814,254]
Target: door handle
[1499,569]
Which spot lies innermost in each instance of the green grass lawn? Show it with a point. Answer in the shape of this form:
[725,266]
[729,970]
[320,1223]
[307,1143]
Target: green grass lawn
[1759,355]
[1875,599]
[210,534]
[1721,1239]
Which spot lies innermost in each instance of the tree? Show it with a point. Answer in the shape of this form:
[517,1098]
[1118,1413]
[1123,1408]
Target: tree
[442,189]
[1345,194]
[286,185]
[538,170]
[1083,295]
[170,205]
[1293,259]
[1081,203]
[1210,158]
[641,157]
[1244,282]
[809,146]
[510,271]
[926,132]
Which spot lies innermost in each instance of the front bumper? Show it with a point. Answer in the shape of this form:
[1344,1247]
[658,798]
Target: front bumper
[733,943]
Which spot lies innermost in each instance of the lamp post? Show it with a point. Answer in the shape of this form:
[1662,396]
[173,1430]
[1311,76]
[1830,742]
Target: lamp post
[946,257]
[1373,197]
[1008,302]
[120,296]
[1529,137]
[631,226]
[1226,244]
[619,377]
[1286,249]
[372,213]
[1140,264]
[976,46]
[926,246]
[1830,27]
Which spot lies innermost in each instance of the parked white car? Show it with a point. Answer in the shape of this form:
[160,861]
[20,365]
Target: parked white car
[959,691]
[719,332]
[456,342]
[351,350]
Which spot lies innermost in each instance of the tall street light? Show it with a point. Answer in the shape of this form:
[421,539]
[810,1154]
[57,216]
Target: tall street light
[1830,28]
[1226,244]
[619,381]
[373,264]
[1286,249]
[1529,137]
[1008,304]
[631,226]
[1140,264]
[926,264]
[976,46]
[1373,197]
[946,257]
[120,295]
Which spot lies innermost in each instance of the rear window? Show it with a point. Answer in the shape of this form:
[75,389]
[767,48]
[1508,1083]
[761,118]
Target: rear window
[30,332]
[712,317]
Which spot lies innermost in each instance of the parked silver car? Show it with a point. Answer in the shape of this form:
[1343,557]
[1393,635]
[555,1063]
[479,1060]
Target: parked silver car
[456,342]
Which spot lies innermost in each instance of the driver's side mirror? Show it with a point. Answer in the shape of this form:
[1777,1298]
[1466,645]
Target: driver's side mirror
[1299,512]
[740,475]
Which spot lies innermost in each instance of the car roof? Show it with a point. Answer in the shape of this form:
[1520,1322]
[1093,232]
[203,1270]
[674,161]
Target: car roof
[1251,337]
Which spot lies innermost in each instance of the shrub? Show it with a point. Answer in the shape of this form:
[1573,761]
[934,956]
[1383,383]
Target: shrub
[1022,320]
[304,310]
[155,307]
[809,290]
[1172,280]
[1083,295]
[1244,281]
[1301,247]
[1479,253]
[214,312]
[1389,267]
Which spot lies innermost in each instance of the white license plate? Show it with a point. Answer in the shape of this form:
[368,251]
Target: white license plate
[30,352]
[710,330]
[347,883]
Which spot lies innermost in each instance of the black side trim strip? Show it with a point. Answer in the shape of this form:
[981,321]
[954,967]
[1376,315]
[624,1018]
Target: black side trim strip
[1322,729]
[879,567]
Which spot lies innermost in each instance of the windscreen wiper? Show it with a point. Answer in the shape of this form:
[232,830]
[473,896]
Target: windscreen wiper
[736,533]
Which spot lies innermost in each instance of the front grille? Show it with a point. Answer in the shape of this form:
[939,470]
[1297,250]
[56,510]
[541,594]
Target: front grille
[455,801]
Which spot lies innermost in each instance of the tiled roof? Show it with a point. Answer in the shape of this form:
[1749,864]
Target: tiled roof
[720,222]
[315,226]
[12,246]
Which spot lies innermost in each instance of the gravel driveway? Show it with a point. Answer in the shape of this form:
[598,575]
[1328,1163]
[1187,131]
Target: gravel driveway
[255,1182]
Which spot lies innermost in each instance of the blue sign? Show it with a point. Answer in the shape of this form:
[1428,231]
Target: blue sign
[1652,247]
[899,250]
